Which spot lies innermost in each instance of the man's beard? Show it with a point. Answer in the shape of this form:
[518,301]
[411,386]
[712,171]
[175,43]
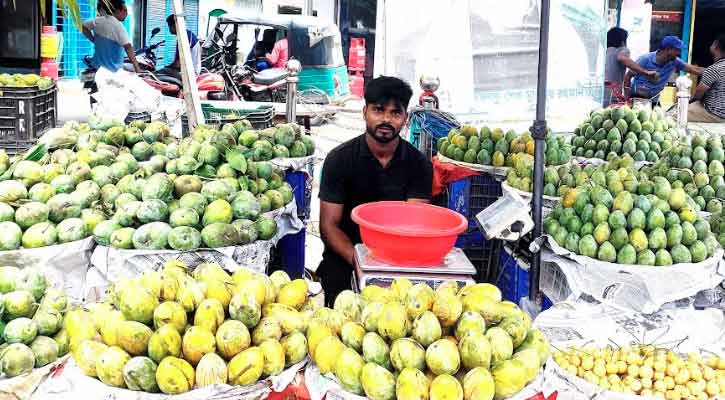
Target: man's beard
[383,137]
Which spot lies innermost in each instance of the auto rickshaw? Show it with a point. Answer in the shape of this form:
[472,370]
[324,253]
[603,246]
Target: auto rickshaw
[245,40]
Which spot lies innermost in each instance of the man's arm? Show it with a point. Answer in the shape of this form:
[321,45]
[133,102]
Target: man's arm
[623,57]
[332,235]
[700,91]
[132,56]
[273,57]
[627,83]
[88,34]
[693,69]
[177,61]
[709,77]
[689,68]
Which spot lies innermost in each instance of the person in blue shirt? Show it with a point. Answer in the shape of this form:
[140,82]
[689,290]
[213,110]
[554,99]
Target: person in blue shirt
[664,61]
[109,37]
[194,44]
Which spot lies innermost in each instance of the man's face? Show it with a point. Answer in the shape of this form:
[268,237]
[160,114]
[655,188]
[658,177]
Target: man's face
[672,54]
[384,122]
[122,14]
[715,49]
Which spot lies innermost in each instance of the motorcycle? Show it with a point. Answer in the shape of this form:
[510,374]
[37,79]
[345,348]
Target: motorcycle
[267,85]
[244,81]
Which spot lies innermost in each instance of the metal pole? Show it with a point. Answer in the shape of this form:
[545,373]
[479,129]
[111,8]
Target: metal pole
[619,12]
[683,84]
[539,131]
[293,68]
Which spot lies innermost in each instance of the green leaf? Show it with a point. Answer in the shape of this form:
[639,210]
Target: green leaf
[206,171]
[35,153]
[236,159]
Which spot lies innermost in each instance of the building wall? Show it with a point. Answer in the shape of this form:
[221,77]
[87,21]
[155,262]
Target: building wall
[156,13]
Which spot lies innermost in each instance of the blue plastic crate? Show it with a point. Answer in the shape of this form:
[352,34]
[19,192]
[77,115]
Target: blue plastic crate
[292,253]
[513,280]
[469,196]
[302,189]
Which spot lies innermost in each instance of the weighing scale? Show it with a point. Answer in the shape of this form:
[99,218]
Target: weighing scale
[370,271]
[506,219]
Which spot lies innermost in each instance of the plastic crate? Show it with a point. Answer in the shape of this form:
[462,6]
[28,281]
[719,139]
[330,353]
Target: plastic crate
[25,114]
[513,279]
[301,182]
[482,253]
[469,196]
[141,116]
[260,117]
[553,282]
[292,253]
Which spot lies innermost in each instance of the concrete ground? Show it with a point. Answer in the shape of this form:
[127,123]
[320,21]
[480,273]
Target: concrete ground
[345,125]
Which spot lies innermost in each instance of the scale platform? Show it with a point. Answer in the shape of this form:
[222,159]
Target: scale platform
[369,271]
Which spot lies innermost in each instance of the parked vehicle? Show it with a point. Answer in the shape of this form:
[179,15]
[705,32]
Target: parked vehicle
[241,42]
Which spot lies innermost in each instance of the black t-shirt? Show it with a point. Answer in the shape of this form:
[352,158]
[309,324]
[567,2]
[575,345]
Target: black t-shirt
[351,175]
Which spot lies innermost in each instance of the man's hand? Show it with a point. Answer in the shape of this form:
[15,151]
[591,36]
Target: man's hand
[132,57]
[332,235]
[694,69]
[89,35]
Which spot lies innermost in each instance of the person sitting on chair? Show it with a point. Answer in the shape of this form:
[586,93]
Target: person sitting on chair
[280,53]
[710,93]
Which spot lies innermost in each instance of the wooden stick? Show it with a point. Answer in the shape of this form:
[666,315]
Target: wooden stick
[188,75]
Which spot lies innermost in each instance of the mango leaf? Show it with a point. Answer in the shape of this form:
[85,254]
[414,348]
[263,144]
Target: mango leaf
[206,171]
[236,159]
[35,153]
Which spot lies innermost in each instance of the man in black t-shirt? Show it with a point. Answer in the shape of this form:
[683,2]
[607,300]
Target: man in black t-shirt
[375,166]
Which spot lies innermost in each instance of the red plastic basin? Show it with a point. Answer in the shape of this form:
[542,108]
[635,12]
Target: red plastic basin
[408,234]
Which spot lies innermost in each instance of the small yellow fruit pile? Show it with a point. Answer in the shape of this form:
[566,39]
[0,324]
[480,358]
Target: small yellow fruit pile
[647,371]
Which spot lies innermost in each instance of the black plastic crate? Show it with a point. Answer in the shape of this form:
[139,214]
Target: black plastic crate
[25,114]
[141,116]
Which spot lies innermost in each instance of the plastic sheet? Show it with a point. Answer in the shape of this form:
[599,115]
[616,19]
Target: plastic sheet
[72,383]
[64,265]
[641,288]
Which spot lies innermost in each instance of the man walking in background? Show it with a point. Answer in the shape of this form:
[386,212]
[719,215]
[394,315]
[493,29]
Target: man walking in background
[109,36]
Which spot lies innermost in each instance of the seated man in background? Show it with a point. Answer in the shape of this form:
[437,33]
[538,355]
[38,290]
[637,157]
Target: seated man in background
[280,53]
[665,61]
[710,93]
[175,67]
